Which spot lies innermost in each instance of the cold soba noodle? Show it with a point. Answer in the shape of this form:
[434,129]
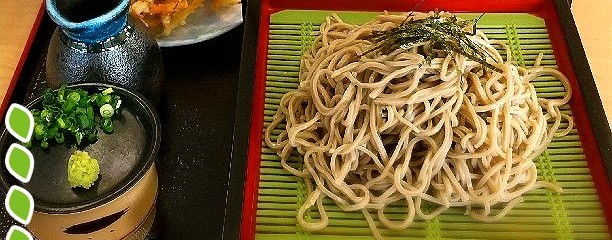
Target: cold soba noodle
[378,128]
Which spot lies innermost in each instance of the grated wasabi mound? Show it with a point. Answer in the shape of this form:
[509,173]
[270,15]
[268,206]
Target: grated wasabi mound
[83,170]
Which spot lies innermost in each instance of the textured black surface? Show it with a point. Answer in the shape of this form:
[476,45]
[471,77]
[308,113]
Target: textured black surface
[240,145]
[134,62]
[197,114]
[196,109]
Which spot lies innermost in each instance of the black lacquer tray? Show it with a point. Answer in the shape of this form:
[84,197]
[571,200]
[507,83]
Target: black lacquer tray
[196,110]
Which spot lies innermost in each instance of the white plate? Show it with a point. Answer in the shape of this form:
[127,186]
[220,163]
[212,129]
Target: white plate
[203,24]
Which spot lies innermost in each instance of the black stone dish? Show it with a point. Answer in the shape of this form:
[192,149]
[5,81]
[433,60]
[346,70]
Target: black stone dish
[124,157]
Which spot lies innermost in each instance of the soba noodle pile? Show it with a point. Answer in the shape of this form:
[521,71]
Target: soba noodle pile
[383,128]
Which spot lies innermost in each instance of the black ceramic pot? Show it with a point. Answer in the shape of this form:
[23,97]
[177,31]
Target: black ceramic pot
[97,41]
[122,200]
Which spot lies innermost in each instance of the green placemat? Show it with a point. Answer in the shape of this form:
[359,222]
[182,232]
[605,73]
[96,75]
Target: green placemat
[574,214]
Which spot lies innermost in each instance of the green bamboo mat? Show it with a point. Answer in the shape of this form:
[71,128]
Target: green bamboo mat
[574,214]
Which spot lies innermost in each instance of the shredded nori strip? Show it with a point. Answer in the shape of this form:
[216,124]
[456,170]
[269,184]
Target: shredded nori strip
[447,34]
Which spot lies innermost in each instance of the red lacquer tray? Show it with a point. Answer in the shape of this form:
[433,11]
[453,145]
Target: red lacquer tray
[593,129]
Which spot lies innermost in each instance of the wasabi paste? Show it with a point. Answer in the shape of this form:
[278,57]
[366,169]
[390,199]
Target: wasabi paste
[83,170]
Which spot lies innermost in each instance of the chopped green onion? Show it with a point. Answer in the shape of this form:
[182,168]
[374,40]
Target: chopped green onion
[107,125]
[74,97]
[39,129]
[60,93]
[81,111]
[102,99]
[85,122]
[107,91]
[52,131]
[92,136]
[84,98]
[90,113]
[48,96]
[46,115]
[61,123]
[106,111]
[59,138]
[79,137]
[35,112]
[68,106]
[71,114]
